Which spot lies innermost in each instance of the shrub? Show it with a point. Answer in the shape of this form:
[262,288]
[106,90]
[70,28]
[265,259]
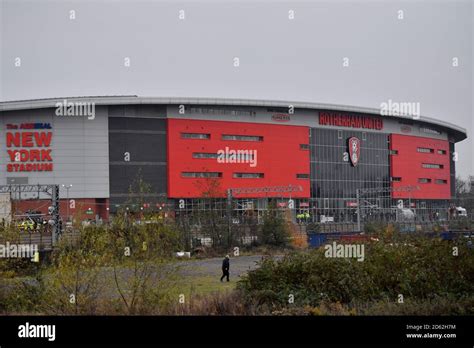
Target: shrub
[420,269]
[274,228]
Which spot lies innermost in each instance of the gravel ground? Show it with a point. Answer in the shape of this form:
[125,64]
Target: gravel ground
[239,265]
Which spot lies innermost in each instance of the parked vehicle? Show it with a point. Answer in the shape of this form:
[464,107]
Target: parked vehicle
[27,224]
[405,214]
[325,219]
[461,212]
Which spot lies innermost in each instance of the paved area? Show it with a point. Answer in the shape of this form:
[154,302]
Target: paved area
[239,265]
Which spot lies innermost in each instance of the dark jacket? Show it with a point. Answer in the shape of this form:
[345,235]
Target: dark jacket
[225,264]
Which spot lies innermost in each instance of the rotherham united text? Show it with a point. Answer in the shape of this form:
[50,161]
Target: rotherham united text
[352,121]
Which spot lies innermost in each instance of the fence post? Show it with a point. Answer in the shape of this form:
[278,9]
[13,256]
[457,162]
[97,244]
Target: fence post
[358,210]
[229,216]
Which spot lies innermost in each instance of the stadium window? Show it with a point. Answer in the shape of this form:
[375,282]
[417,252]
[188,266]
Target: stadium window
[205,155]
[424,180]
[441,152]
[302,176]
[424,150]
[394,152]
[242,137]
[364,136]
[339,134]
[195,136]
[304,147]
[396,179]
[432,166]
[201,174]
[441,181]
[248,175]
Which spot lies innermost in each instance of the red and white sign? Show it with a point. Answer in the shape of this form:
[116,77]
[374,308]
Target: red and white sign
[354,150]
[29,150]
[348,120]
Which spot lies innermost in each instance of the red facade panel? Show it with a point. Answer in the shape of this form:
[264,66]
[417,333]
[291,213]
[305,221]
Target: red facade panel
[278,158]
[407,166]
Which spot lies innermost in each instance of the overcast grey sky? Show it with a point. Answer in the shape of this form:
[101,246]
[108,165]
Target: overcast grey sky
[407,60]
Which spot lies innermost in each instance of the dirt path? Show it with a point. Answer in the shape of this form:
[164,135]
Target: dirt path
[213,267]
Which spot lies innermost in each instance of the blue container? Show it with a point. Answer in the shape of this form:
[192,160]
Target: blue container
[315,240]
[447,236]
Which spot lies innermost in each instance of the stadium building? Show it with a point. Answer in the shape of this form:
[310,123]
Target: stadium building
[188,150]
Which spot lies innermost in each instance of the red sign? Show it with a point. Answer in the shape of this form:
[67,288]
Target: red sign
[354,150]
[31,153]
[348,120]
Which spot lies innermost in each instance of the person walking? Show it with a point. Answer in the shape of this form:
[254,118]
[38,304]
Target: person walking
[225,268]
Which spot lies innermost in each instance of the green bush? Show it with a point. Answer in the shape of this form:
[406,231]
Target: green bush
[420,269]
[274,230]
[94,274]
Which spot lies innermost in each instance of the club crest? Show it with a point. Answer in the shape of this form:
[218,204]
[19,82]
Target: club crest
[354,150]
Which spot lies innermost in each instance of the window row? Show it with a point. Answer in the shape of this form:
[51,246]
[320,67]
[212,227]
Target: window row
[234,175]
[344,189]
[240,155]
[421,180]
[224,137]
[333,154]
[333,137]
[429,150]
[428,181]
[432,166]
[346,172]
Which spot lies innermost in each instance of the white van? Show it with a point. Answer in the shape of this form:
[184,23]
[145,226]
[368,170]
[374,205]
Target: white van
[460,211]
[405,214]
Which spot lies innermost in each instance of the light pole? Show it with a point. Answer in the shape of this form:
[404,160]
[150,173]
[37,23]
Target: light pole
[67,187]
[358,210]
